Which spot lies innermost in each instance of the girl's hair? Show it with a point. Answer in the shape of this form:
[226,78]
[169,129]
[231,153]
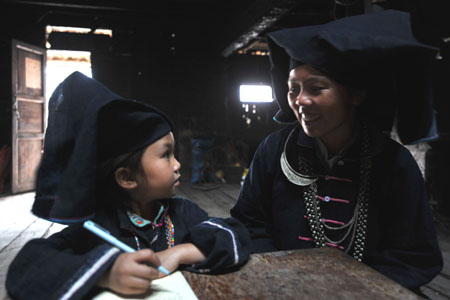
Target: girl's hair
[108,191]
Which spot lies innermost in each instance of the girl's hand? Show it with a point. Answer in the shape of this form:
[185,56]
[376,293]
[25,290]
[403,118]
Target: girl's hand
[129,274]
[182,254]
[170,258]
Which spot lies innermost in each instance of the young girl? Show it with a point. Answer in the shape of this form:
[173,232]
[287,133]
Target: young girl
[112,160]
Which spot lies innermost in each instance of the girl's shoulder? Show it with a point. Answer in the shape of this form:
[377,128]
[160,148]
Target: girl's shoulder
[186,210]
[179,203]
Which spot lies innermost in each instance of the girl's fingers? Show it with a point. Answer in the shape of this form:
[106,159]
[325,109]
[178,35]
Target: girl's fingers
[142,270]
[147,256]
[143,264]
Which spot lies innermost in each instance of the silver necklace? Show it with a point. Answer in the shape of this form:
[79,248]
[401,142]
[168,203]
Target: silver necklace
[357,225]
[292,175]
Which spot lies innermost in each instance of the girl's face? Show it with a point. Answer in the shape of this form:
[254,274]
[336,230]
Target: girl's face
[324,108]
[160,170]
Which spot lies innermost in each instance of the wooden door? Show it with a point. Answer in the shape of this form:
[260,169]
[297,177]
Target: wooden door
[28,114]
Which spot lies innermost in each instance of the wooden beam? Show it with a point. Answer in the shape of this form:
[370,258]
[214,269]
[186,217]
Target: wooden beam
[60,4]
[259,16]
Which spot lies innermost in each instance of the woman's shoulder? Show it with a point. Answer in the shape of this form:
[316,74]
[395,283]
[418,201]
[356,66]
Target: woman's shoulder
[281,133]
[277,138]
[392,150]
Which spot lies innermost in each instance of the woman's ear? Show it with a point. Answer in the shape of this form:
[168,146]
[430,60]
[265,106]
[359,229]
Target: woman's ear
[125,178]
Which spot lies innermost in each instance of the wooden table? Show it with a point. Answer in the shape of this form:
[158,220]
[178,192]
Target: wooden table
[324,273]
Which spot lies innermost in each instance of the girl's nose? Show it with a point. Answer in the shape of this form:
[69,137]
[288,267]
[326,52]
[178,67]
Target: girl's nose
[177,165]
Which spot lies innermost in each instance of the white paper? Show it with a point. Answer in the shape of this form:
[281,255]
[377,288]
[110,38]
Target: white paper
[171,287]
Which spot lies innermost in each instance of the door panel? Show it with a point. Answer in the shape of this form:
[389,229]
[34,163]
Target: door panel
[28,111]
[28,160]
[30,119]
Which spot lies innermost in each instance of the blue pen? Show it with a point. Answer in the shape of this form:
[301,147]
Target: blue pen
[104,234]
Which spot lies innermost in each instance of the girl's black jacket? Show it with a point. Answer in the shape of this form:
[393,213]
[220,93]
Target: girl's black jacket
[67,264]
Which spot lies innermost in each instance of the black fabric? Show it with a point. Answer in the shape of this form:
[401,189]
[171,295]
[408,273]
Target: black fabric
[294,64]
[87,124]
[401,242]
[376,52]
[49,268]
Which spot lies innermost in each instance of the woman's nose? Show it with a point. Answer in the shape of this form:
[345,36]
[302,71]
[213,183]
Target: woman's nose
[303,100]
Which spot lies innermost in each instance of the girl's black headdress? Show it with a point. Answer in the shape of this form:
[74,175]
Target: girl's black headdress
[87,125]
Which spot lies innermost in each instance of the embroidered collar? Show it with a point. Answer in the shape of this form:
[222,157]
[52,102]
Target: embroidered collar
[138,221]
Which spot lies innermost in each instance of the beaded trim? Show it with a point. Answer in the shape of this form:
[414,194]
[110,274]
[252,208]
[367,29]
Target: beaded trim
[170,232]
[357,225]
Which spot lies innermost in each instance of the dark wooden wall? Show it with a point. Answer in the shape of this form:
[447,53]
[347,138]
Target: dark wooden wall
[196,87]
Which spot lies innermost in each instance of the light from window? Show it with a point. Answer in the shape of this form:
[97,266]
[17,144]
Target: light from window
[62,63]
[255,93]
[51,29]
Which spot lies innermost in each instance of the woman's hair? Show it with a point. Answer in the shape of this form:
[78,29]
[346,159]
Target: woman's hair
[107,187]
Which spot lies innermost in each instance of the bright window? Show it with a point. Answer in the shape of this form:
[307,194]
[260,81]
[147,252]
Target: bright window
[255,93]
[62,63]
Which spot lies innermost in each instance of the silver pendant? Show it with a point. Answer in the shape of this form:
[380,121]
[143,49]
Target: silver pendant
[293,176]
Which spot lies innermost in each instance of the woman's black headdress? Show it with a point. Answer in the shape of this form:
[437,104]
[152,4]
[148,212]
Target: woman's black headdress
[87,125]
[376,52]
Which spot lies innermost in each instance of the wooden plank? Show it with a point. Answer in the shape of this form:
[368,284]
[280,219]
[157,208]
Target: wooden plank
[434,295]
[220,198]
[440,285]
[324,273]
[15,216]
[30,116]
[444,243]
[232,190]
[204,201]
[37,229]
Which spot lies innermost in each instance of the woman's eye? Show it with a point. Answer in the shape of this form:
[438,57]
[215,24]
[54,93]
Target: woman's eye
[294,90]
[317,88]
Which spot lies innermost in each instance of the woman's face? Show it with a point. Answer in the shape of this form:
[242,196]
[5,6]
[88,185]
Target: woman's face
[324,108]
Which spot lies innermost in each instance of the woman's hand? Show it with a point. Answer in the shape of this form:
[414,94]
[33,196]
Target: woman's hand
[182,254]
[130,274]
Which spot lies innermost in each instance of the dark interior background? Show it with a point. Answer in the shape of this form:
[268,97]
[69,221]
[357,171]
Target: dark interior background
[188,57]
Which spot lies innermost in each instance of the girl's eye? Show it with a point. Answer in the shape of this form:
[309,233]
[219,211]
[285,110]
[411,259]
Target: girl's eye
[167,155]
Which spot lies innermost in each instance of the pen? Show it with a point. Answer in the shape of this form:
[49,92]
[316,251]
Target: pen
[104,234]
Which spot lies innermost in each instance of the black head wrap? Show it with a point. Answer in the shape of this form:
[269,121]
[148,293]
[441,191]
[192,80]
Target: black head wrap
[375,52]
[87,125]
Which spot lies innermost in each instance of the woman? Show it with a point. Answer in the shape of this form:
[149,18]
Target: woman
[332,178]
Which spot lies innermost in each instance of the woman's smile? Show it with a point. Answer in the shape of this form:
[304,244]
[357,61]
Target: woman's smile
[309,117]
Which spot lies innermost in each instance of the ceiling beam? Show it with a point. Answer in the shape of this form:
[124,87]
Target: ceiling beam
[73,5]
[255,20]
